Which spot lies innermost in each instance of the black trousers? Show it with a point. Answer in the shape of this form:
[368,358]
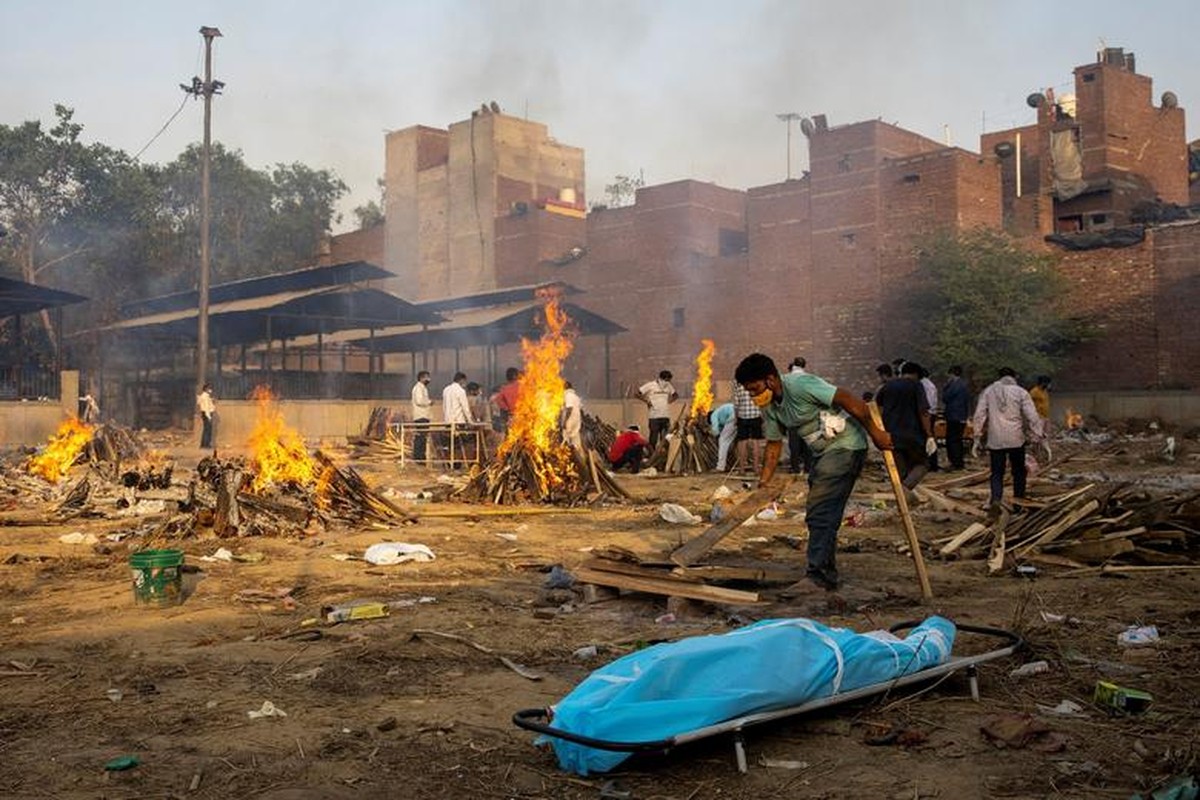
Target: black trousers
[658,429]
[206,431]
[631,458]
[1015,456]
[954,442]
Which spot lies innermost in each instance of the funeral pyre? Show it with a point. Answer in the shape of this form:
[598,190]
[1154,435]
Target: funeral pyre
[534,463]
[691,446]
[279,488]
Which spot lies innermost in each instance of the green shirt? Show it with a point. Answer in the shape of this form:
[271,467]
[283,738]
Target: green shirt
[805,396]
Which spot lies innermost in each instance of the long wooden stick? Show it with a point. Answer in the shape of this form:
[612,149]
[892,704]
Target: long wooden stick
[690,551]
[910,531]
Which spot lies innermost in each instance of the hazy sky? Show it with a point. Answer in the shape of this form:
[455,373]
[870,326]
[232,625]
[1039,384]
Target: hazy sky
[672,88]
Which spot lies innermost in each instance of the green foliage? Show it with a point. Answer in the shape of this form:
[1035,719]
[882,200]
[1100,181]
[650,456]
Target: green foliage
[368,215]
[982,300]
[623,190]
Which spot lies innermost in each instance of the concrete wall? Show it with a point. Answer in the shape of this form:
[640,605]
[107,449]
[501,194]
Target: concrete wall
[1173,408]
[29,423]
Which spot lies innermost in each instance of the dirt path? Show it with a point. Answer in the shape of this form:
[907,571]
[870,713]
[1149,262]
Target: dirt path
[374,711]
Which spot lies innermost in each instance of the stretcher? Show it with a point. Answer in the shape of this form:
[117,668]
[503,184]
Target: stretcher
[1006,643]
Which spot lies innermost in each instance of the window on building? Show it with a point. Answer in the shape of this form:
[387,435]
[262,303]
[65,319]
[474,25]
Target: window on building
[912,177]
[844,163]
[731,242]
[848,240]
[1088,77]
[677,317]
[1100,222]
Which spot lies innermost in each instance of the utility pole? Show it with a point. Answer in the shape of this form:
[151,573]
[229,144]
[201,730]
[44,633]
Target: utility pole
[206,89]
[787,118]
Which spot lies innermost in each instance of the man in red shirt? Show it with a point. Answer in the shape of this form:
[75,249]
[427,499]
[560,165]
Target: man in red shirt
[505,400]
[629,448]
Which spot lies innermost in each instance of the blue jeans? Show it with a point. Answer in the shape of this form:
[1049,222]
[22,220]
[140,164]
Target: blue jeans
[830,482]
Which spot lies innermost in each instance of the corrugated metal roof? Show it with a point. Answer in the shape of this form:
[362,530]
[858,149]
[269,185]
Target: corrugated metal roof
[19,297]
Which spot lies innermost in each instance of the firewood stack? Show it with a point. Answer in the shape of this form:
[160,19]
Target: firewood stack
[1090,525]
[514,478]
[691,448]
[113,444]
[598,434]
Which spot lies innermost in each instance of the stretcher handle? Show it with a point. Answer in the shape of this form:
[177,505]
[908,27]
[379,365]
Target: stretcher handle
[525,718]
[1013,640]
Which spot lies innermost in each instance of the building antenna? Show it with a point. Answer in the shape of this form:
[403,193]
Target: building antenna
[787,118]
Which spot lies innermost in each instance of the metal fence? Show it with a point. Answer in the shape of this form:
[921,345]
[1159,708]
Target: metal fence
[29,383]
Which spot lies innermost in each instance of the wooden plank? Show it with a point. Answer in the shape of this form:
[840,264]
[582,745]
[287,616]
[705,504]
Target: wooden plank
[1054,560]
[995,560]
[690,551]
[964,480]
[1100,550]
[1058,528]
[667,586]
[636,570]
[973,530]
[944,503]
[910,530]
[764,574]
[1124,534]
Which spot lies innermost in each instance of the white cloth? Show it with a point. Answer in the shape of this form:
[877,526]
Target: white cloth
[1004,413]
[420,401]
[456,409]
[931,394]
[205,404]
[658,394]
[724,441]
[573,419]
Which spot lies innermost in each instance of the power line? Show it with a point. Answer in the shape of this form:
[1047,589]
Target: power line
[161,130]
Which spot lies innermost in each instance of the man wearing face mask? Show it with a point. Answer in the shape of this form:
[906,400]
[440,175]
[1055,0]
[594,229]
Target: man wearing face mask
[835,425]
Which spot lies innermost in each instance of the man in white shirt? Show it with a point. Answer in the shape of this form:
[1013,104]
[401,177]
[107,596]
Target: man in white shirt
[658,396]
[572,419]
[1004,414]
[456,410]
[207,408]
[421,404]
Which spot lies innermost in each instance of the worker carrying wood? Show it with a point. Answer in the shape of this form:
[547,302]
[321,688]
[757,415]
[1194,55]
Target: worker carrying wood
[835,425]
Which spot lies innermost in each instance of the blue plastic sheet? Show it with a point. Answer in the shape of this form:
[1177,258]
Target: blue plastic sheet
[674,688]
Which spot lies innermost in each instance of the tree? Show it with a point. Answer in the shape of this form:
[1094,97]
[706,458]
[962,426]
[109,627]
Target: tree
[981,299]
[371,213]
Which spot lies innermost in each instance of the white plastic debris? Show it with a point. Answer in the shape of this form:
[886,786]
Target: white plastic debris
[388,553]
[268,709]
[584,653]
[672,512]
[1138,636]
[78,538]
[1067,708]
[222,554]
[721,492]
[114,694]
[1032,668]
[768,514]
[508,537]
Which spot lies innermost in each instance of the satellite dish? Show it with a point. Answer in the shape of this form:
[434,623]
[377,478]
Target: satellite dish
[1036,100]
[1170,100]
[1004,149]
[807,127]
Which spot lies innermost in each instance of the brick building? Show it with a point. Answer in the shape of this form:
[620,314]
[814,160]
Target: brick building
[808,266]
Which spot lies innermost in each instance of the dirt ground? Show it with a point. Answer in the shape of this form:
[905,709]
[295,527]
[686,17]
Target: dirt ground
[374,711]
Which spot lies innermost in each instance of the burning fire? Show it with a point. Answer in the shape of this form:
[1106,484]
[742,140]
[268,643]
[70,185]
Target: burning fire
[64,447]
[277,451]
[702,396]
[533,426]
[1074,419]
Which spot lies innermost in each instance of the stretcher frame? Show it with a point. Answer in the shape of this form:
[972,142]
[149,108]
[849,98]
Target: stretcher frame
[528,718]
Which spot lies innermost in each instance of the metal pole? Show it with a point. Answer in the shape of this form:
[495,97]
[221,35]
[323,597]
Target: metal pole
[206,156]
[787,118]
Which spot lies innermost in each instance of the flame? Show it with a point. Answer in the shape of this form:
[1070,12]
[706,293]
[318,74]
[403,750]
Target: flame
[277,451]
[1074,419]
[62,449]
[702,395]
[533,426]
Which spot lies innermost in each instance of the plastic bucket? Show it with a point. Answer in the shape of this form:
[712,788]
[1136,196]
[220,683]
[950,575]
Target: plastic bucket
[157,577]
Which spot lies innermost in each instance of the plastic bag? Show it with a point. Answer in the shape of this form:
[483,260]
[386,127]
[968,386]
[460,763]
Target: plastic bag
[386,553]
[678,514]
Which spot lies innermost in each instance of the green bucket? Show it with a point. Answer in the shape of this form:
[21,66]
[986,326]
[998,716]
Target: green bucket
[157,577]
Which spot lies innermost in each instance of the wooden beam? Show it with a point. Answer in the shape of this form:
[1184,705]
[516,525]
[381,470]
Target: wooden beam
[691,551]
[973,530]
[910,530]
[667,586]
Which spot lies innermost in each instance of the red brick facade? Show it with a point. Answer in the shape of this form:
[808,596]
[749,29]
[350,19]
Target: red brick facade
[810,266]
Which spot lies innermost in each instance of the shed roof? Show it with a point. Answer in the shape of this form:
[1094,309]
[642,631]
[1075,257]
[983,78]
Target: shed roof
[19,297]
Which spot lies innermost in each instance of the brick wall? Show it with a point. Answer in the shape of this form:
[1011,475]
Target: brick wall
[1176,253]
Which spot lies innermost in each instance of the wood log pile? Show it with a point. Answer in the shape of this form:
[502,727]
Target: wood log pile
[378,422]
[691,448]
[683,573]
[1092,525]
[562,478]
[598,434]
